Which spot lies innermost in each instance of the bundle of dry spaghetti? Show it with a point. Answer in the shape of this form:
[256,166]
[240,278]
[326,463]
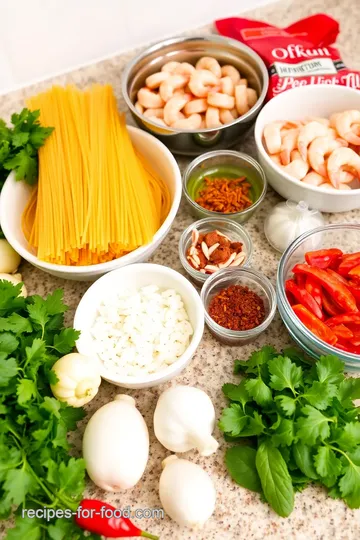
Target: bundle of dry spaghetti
[96,197]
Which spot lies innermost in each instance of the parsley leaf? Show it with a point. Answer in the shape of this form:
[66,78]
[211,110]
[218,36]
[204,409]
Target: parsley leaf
[326,462]
[233,420]
[320,394]
[284,374]
[314,426]
[8,369]
[236,392]
[65,341]
[287,404]
[258,390]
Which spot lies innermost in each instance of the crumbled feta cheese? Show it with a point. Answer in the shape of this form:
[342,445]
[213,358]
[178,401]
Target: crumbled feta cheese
[141,333]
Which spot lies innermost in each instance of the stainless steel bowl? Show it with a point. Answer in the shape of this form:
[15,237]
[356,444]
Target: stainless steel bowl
[183,49]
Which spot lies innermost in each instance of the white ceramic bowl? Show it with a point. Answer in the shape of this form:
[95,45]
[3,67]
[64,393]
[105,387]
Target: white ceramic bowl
[313,100]
[15,195]
[136,276]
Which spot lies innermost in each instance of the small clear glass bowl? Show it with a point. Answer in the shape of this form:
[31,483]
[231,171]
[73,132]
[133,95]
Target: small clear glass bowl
[246,277]
[233,230]
[346,237]
[192,180]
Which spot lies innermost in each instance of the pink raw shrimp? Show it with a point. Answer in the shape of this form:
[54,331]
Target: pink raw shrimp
[298,168]
[170,67]
[320,148]
[272,136]
[344,123]
[221,101]
[232,72]
[288,144]
[227,116]
[172,83]
[173,107]
[212,117]
[227,86]
[307,134]
[149,99]
[330,187]
[201,82]
[314,179]
[184,69]
[157,113]
[154,80]
[342,159]
[193,121]
[252,96]
[211,64]
[241,99]
[196,106]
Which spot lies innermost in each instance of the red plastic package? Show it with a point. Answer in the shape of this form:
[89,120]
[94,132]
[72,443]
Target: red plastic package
[298,55]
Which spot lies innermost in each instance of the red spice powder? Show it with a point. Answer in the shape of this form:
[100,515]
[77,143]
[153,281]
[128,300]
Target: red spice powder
[237,308]
[225,195]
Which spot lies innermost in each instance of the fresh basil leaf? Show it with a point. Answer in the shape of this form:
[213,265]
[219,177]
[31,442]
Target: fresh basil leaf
[240,462]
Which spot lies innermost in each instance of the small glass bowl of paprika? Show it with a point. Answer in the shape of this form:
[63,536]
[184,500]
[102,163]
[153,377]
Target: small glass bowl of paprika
[239,303]
[224,183]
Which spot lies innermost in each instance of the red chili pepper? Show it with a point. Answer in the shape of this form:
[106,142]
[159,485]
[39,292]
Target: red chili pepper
[314,324]
[348,348]
[300,280]
[302,296]
[348,262]
[98,517]
[342,331]
[340,294]
[329,306]
[314,289]
[344,319]
[354,287]
[323,258]
[355,273]
[337,276]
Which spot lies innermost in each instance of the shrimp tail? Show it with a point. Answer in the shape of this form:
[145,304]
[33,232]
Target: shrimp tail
[352,138]
[285,156]
[303,150]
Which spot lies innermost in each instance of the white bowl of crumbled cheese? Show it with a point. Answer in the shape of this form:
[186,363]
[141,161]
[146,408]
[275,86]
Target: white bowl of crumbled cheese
[144,323]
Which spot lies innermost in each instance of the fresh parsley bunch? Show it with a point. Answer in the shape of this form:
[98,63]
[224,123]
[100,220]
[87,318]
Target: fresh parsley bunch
[36,470]
[302,424]
[19,145]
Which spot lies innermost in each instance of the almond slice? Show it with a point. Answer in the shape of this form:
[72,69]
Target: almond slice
[237,261]
[205,250]
[194,263]
[212,249]
[211,269]
[194,237]
[224,235]
[228,262]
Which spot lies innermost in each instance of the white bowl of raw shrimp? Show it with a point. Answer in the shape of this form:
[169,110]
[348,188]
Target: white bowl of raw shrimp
[15,195]
[339,160]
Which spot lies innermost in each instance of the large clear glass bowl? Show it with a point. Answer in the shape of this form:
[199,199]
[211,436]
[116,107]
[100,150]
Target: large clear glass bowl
[346,237]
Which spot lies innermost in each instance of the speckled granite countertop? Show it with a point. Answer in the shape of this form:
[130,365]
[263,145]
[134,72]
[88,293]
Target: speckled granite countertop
[239,513]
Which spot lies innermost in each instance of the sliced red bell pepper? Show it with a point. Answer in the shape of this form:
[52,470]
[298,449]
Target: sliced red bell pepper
[341,331]
[355,273]
[339,293]
[355,341]
[345,318]
[314,289]
[329,306]
[337,276]
[290,298]
[323,258]
[314,324]
[304,298]
[300,280]
[354,287]
[348,262]
[348,348]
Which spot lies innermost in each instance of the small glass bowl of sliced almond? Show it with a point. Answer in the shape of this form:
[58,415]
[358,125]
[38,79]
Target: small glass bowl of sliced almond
[209,245]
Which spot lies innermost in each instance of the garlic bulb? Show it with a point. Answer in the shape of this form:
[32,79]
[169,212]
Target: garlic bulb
[116,445]
[9,259]
[187,492]
[184,419]
[15,279]
[78,379]
[287,221]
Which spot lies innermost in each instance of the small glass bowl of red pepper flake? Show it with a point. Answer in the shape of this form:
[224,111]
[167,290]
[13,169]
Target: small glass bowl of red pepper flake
[224,241]
[318,292]
[239,303]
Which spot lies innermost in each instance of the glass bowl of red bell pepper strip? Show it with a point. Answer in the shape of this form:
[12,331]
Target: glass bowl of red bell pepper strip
[318,292]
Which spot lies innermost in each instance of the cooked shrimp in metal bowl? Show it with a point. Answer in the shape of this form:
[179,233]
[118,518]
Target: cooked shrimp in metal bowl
[321,152]
[212,95]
